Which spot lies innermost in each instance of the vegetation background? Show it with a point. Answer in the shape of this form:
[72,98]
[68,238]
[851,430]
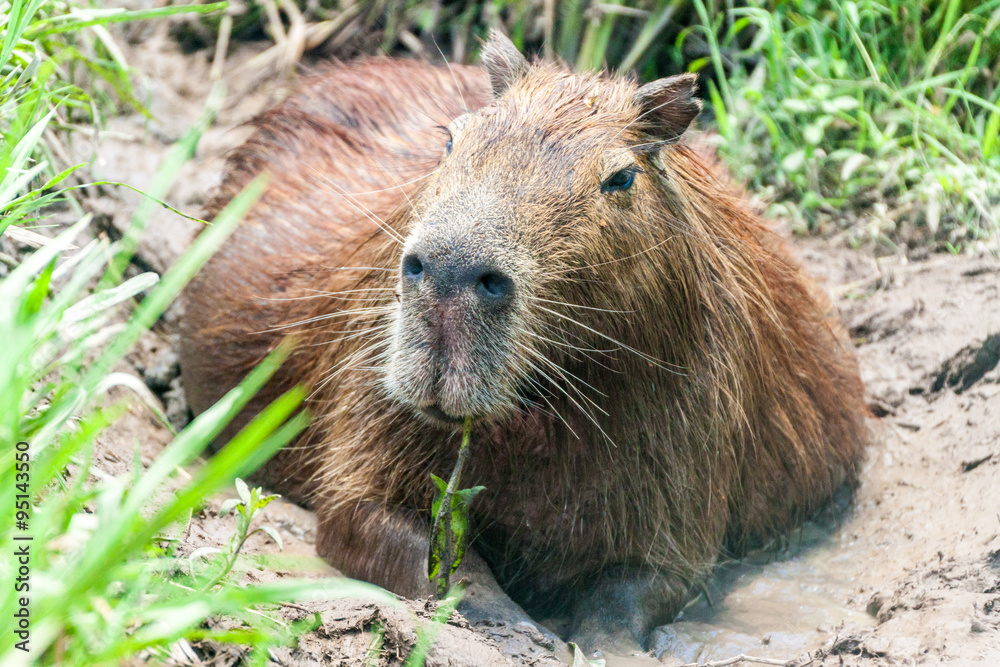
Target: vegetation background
[878,121]
[877,117]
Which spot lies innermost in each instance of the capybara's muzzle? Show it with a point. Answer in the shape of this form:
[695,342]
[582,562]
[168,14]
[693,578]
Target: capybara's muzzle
[439,271]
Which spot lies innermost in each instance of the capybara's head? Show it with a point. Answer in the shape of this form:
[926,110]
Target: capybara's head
[515,260]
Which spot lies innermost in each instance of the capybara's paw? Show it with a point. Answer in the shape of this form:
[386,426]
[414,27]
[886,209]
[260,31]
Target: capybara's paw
[622,606]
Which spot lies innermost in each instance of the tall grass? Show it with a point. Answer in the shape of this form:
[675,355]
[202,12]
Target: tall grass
[883,113]
[98,579]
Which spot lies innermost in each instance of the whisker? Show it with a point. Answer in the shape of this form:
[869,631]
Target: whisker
[350,335]
[554,412]
[364,210]
[559,343]
[381,190]
[574,348]
[576,403]
[616,260]
[322,295]
[559,331]
[345,364]
[352,290]
[452,72]
[405,194]
[329,316]
[563,373]
[653,360]
[575,305]
[357,268]
[545,376]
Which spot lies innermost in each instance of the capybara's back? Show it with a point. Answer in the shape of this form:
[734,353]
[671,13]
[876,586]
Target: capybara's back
[652,380]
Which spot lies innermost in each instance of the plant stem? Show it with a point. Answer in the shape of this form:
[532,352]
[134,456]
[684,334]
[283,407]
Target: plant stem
[441,582]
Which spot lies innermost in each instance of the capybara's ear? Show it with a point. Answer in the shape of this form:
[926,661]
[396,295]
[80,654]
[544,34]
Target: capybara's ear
[668,106]
[503,62]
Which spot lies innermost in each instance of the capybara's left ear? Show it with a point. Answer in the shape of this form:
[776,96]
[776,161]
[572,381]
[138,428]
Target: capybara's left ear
[503,62]
[667,106]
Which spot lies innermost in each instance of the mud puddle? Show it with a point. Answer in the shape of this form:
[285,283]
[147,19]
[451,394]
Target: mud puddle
[768,605]
[788,606]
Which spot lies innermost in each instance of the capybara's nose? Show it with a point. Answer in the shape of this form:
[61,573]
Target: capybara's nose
[452,273]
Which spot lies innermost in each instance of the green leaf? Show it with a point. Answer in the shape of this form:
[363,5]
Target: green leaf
[991,136]
[33,303]
[229,505]
[650,29]
[851,164]
[721,113]
[794,161]
[795,105]
[273,534]
[458,526]
[842,103]
[264,501]
[468,494]
[242,490]
[813,133]
[118,16]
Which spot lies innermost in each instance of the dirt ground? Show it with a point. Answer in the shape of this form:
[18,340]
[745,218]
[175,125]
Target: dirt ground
[909,575]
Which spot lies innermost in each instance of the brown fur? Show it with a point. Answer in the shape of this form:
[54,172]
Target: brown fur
[702,400]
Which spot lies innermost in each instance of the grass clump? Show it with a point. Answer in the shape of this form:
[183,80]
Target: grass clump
[882,117]
[60,70]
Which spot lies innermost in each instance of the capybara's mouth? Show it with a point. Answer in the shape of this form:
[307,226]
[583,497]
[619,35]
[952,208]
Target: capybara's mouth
[437,414]
[444,381]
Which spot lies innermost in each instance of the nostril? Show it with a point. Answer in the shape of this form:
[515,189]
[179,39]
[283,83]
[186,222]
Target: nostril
[413,268]
[495,286]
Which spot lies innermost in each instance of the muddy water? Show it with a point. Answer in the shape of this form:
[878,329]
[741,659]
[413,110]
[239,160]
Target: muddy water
[774,605]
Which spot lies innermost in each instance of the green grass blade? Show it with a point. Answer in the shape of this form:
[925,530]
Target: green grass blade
[118,16]
[650,31]
[153,305]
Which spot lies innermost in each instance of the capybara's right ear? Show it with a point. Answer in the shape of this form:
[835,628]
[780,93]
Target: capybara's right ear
[503,62]
[668,106]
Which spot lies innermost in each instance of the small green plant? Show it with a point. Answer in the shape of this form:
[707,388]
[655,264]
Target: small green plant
[98,577]
[451,521]
[244,509]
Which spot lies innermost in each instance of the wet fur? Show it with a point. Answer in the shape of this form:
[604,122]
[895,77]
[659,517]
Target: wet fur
[727,410]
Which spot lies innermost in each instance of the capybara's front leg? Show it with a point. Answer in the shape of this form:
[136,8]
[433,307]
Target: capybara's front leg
[380,545]
[388,547]
[623,606]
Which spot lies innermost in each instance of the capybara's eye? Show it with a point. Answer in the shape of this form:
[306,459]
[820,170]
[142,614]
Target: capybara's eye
[620,180]
[448,143]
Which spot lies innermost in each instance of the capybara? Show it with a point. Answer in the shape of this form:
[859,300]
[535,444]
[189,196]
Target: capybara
[653,380]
